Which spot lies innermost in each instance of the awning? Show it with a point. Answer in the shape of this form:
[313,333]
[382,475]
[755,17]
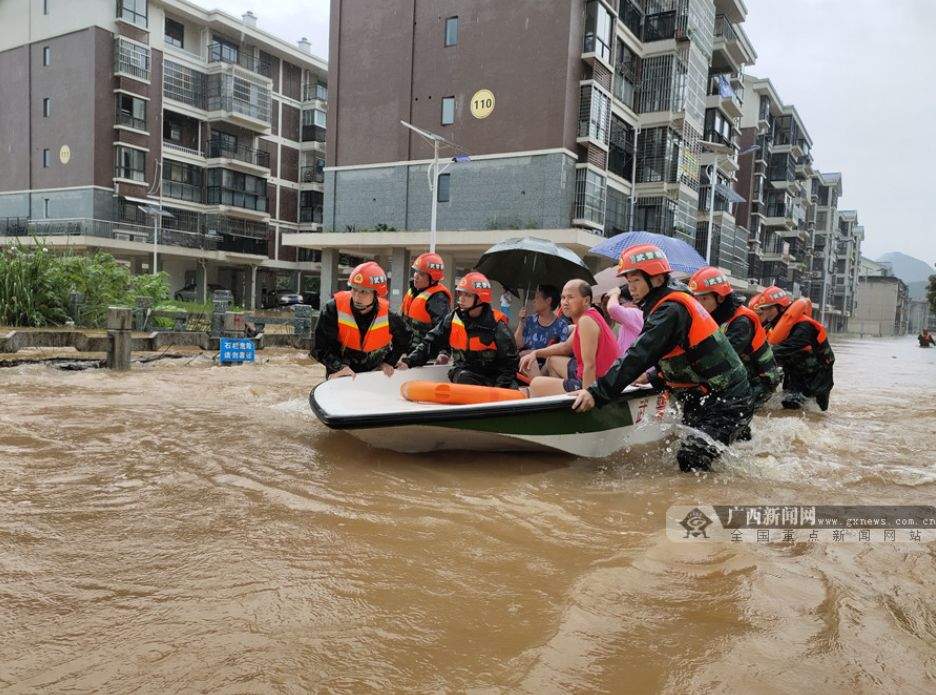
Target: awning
[729,193]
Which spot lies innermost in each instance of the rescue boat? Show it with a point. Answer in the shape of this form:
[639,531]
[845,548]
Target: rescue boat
[371,408]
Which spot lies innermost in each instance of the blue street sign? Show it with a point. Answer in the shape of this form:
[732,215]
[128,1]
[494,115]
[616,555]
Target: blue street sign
[235,350]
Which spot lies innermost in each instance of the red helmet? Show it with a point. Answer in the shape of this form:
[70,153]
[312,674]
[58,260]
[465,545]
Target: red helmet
[477,284]
[754,302]
[431,264]
[710,280]
[369,276]
[774,295]
[646,257]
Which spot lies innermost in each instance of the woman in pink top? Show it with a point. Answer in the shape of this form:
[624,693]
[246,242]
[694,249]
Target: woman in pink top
[628,316]
[592,343]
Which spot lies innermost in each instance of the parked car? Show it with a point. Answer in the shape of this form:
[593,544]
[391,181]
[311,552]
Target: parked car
[189,293]
[282,298]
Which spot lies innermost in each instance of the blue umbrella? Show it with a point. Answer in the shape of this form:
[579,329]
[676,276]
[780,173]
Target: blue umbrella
[682,257]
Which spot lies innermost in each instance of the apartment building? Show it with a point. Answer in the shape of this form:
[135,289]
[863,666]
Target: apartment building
[847,267]
[883,301]
[780,208]
[573,120]
[828,190]
[124,115]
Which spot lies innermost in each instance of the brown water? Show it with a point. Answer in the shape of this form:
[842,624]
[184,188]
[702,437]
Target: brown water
[193,528]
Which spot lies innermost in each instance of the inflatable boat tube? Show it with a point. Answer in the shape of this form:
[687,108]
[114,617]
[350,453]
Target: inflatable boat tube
[456,394]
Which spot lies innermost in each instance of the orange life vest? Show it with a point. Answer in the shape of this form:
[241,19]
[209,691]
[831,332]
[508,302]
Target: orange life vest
[701,325]
[760,335]
[458,336]
[798,312]
[349,335]
[414,306]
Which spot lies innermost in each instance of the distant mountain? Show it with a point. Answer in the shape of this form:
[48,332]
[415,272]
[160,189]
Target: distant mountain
[908,268]
[917,290]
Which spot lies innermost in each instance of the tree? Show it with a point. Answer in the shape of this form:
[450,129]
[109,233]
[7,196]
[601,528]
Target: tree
[931,293]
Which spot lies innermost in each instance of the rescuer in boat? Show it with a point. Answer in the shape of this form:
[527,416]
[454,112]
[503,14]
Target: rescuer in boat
[427,302]
[743,328]
[356,331]
[693,358]
[477,335]
[801,347]
[926,339]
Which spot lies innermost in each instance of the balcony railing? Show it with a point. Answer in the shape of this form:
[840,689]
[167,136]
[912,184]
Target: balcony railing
[311,174]
[261,66]
[232,104]
[721,85]
[657,27]
[128,119]
[311,92]
[311,214]
[241,153]
[632,16]
[778,210]
[725,29]
[167,145]
[183,191]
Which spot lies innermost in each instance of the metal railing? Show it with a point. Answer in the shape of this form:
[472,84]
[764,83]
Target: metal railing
[312,92]
[725,28]
[128,119]
[234,105]
[311,174]
[241,153]
[632,16]
[657,27]
[261,66]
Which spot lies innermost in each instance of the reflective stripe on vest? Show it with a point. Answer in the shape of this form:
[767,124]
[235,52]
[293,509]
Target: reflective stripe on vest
[458,336]
[349,335]
[414,306]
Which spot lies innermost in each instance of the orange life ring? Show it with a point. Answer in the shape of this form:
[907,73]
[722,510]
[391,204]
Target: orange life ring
[797,310]
[456,394]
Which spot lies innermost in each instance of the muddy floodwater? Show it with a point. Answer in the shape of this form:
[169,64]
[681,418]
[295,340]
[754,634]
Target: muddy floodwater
[187,527]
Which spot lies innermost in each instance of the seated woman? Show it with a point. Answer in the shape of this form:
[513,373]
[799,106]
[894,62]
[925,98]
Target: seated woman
[592,343]
[543,328]
[627,315]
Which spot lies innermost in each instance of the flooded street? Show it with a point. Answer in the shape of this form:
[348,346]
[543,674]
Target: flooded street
[191,527]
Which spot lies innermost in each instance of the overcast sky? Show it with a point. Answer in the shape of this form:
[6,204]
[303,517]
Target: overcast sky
[862,74]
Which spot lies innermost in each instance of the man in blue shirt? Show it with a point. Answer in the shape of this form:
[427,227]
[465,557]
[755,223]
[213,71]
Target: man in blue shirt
[543,328]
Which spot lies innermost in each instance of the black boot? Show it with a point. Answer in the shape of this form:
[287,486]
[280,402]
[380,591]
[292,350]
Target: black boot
[823,401]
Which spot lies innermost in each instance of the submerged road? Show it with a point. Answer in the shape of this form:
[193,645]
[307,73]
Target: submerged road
[185,527]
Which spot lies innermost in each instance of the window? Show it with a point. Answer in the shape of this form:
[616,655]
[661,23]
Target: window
[448,110]
[47,56]
[590,196]
[46,107]
[318,118]
[445,185]
[133,11]
[46,159]
[45,207]
[226,187]
[131,164]
[175,33]
[598,30]
[183,84]
[321,91]
[131,111]
[451,31]
[131,58]
[45,6]
[182,181]
[594,114]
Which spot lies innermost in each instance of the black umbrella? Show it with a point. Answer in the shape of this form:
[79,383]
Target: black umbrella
[528,262]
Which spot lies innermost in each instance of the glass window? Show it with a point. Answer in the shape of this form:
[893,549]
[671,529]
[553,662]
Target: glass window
[451,31]
[321,91]
[132,59]
[47,56]
[131,111]
[448,110]
[319,118]
[131,164]
[46,107]
[45,206]
[598,30]
[589,196]
[175,33]
[445,184]
[133,11]
[46,159]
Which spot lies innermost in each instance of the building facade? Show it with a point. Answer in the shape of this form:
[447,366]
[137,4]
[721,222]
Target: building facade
[580,119]
[882,305]
[123,115]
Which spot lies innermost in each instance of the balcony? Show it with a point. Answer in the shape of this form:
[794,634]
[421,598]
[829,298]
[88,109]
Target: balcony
[238,153]
[779,214]
[721,94]
[310,215]
[221,53]
[632,16]
[314,92]
[311,174]
[249,115]
[174,147]
[731,46]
